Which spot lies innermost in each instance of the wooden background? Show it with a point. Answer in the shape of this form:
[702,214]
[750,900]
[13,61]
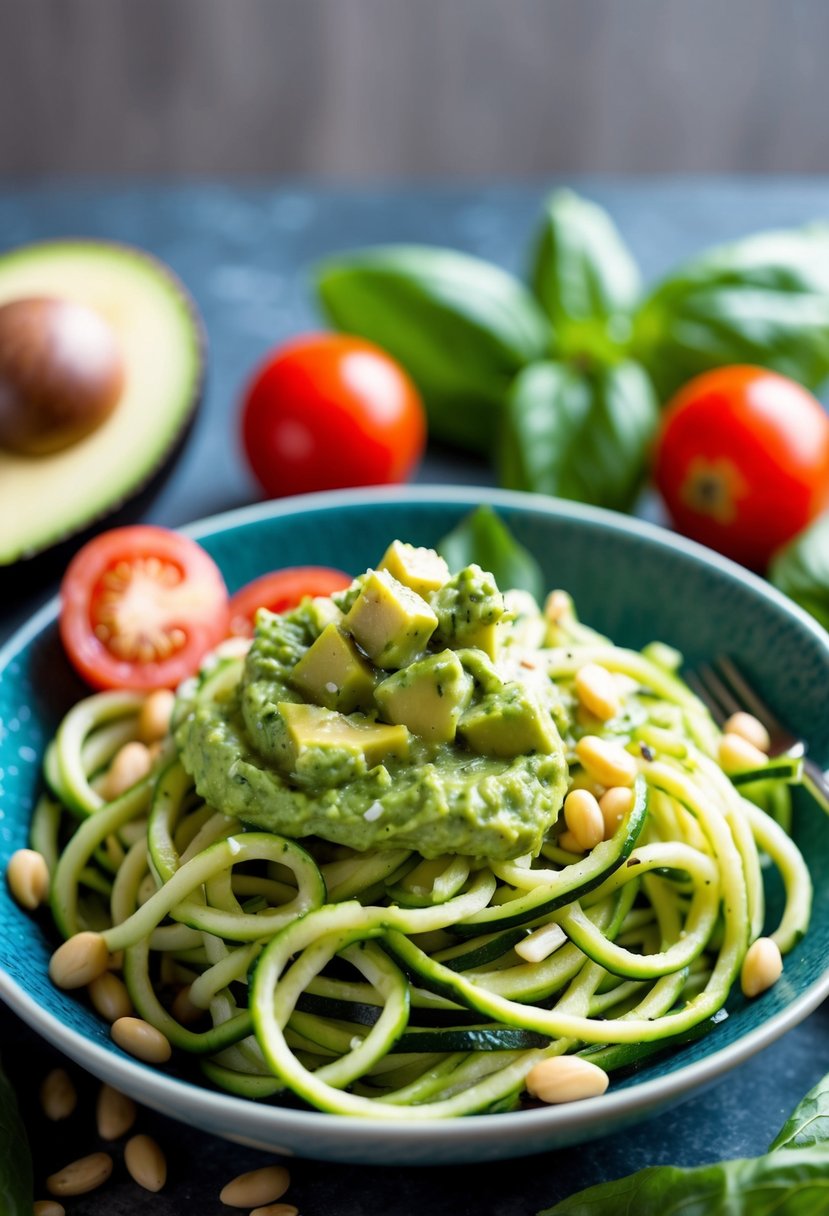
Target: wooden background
[361,89]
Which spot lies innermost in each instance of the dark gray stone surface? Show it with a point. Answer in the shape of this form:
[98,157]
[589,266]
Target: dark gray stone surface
[245,254]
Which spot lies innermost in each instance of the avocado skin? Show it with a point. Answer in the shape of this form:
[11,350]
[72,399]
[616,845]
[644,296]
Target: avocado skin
[39,567]
[31,574]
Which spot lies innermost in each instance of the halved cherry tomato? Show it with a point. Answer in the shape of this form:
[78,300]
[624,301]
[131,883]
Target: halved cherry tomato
[279,591]
[140,606]
[742,461]
[330,410]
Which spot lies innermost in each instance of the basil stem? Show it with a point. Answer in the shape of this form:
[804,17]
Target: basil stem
[460,327]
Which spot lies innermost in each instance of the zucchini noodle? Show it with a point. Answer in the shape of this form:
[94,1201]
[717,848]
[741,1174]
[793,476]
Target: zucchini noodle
[384,983]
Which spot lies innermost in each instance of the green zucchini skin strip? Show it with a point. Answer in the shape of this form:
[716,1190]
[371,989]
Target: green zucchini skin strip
[699,925]
[794,872]
[91,833]
[74,789]
[174,897]
[569,884]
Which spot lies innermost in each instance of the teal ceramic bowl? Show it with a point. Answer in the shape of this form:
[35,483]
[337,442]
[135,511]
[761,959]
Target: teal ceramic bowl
[632,581]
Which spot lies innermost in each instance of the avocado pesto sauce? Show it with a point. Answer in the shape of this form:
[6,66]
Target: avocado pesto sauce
[389,717]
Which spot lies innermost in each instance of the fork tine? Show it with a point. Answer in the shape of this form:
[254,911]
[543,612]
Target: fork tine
[747,696]
[711,689]
[698,688]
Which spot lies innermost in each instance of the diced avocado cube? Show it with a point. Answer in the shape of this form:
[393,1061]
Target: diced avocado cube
[482,669]
[421,569]
[324,611]
[333,673]
[428,696]
[389,621]
[469,607]
[510,722]
[325,748]
[313,614]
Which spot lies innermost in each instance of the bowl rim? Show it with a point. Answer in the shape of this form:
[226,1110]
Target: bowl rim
[182,1098]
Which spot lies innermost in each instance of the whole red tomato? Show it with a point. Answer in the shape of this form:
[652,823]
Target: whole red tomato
[328,410]
[742,461]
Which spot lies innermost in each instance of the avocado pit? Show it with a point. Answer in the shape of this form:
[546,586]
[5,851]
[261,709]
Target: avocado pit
[61,374]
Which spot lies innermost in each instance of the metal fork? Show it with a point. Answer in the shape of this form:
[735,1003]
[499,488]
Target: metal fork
[723,688]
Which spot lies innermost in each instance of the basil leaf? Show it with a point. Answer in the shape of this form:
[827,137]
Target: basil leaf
[585,277]
[482,537]
[808,1124]
[763,300]
[460,327]
[787,1183]
[801,570]
[16,1197]
[579,436]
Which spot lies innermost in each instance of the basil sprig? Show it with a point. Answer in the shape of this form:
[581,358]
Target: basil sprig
[15,1159]
[558,383]
[792,1179]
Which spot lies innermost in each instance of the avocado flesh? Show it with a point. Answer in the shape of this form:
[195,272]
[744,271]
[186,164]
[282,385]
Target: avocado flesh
[46,498]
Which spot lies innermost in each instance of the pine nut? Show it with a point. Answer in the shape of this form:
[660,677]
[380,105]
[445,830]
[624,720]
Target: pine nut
[751,729]
[566,1079]
[58,1095]
[584,818]
[183,1009]
[614,804]
[597,691]
[257,1188]
[737,755]
[48,1207]
[130,764]
[762,967]
[568,842]
[109,995]
[608,762]
[558,606]
[114,1113]
[541,943]
[81,1176]
[155,715]
[145,1162]
[79,961]
[142,1040]
[28,877]
[276,1209]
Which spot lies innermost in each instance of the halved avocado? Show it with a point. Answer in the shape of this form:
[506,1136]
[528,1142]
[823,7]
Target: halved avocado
[45,499]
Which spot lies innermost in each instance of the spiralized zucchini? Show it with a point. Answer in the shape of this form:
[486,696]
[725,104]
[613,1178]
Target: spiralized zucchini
[379,983]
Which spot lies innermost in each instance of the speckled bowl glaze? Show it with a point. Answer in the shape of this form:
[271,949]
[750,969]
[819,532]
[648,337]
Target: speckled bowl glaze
[632,581]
